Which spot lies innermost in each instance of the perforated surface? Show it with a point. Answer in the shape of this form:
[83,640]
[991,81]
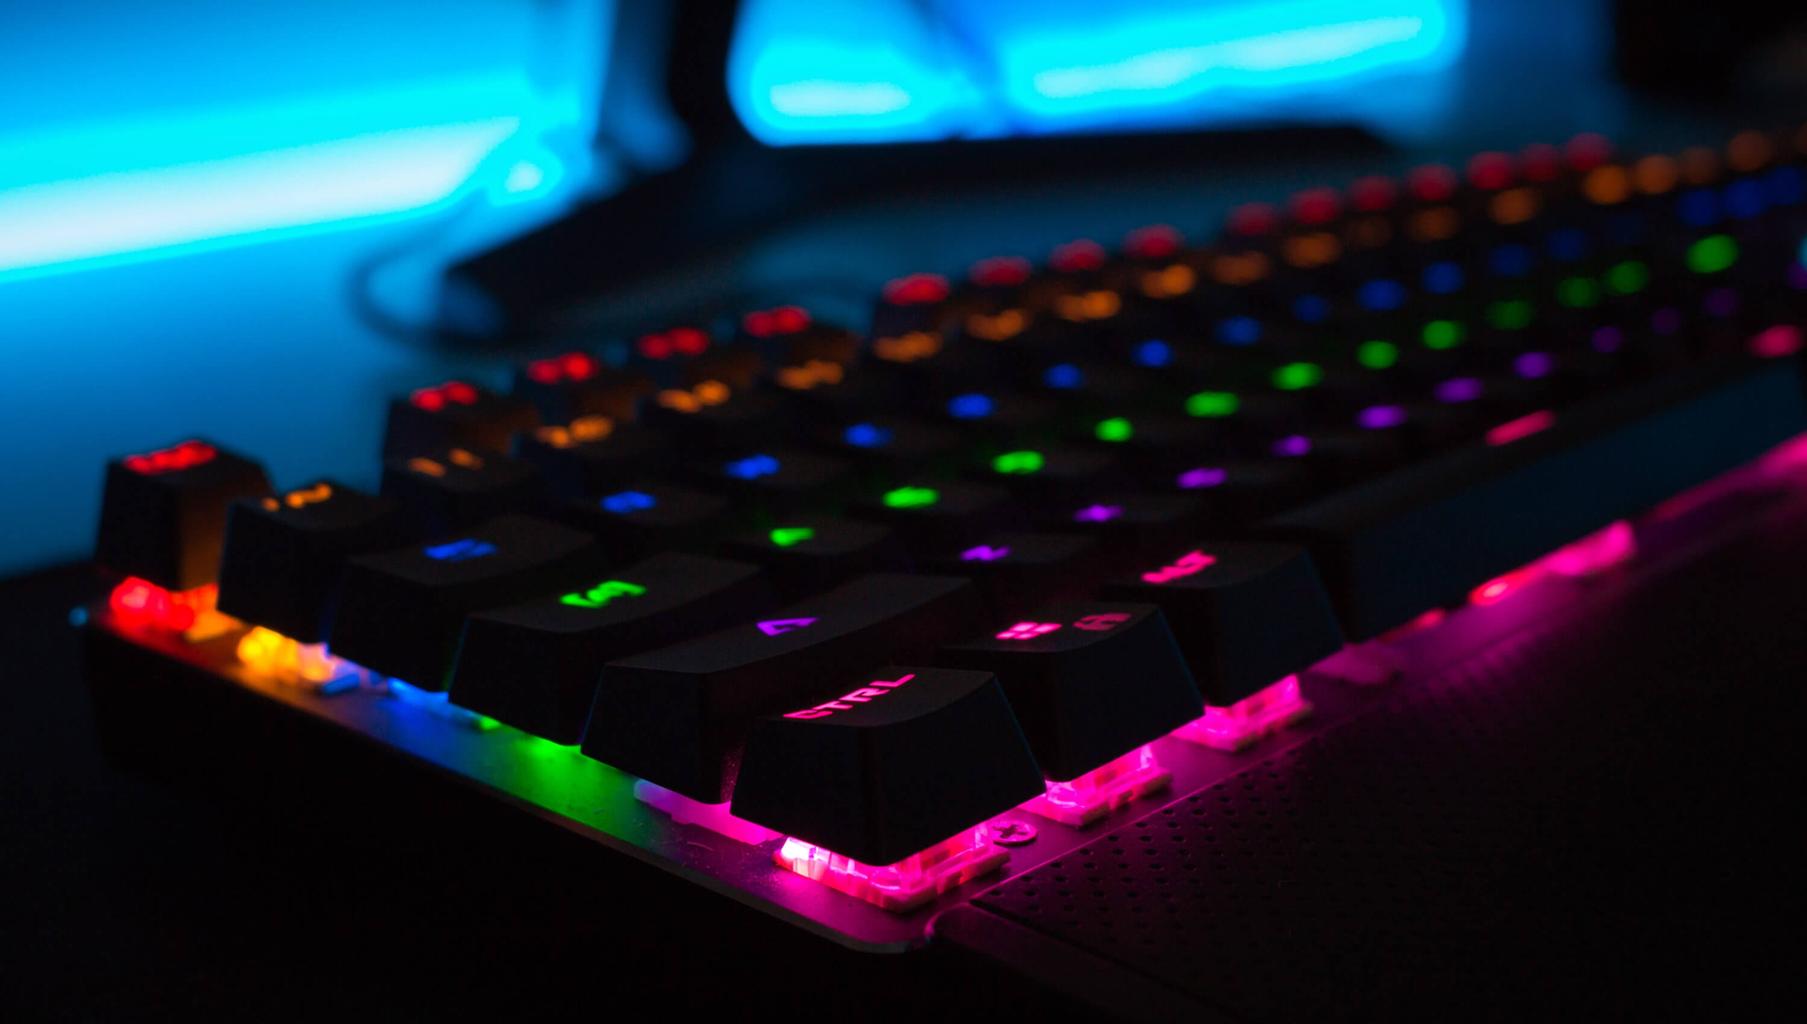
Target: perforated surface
[1598,817]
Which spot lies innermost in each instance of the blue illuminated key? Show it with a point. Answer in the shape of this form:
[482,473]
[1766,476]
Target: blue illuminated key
[646,516]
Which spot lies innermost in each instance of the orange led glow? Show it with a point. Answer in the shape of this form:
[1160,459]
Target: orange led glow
[141,605]
[1434,224]
[1700,165]
[997,326]
[1312,250]
[1240,268]
[426,467]
[1607,185]
[1655,175]
[306,496]
[186,455]
[269,653]
[581,430]
[704,393]
[1166,283]
[907,348]
[1513,206]
[812,374]
[1748,151]
[464,458]
[1093,305]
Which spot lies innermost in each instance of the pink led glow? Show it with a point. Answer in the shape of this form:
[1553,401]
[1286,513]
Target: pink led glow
[1430,619]
[1202,477]
[1521,428]
[1028,630]
[1500,587]
[1097,513]
[906,884]
[1103,622]
[984,553]
[1260,714]
[1085,799]
[1776,342]
[1185,565]
[1596,552]
[847,701]
[714,817]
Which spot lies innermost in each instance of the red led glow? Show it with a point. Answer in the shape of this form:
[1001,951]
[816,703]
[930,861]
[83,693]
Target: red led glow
[1776,342]
[679,341]
[1317,206]
[1075,257]
[1083,800]
[1155,242]
[916,290]
[1000,272]
[572,366]
[1521,428]
[453,392]
[909,882]
[1431,183]
[1540,162]
[1587,151]
[1490,171]
[1253,219]
[771,322]
[1373,194]
[174,459]
[140,604]
[1255,716]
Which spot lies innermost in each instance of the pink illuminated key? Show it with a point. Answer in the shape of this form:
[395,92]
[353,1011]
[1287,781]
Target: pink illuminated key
[1521,428]
[714,817]
[1028,630]
[1083,800]
[1242,723]
[903,885]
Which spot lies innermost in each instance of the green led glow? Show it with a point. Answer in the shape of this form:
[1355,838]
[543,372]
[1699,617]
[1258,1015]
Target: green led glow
[790,536]
[1213,404]
[1578,292]
[1627,278]
[1298,376]
[487,724]
[1018,463]
[1114,429]
[911,497]
[1509,314]
[1377,355]
[1443,334]
[602,593]
[1712,254]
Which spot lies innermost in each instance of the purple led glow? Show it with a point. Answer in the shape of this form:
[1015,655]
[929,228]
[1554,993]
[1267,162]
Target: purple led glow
[1294,446]
[1608,339]
[1459,389]
[1666,321]
[1533,365]
[1380,417]
[1201,477]
[1721,302]
[984,553]
[1097,513]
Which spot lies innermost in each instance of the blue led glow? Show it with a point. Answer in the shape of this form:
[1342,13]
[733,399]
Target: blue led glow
[1785,186]
[1744,199]
[867,435]
[1239,330]
[752,467]
[623,502]
[1510,261]
[1698,207]
[1566,245]
[1443,278]
[1153,353]
[1384,295]
[464,550]
[1063,376]
[1311,309]
[973,406]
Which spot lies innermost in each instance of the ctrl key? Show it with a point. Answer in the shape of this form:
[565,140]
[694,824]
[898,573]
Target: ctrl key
[884,791]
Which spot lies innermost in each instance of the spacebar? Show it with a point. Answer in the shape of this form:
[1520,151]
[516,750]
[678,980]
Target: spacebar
[1422,537]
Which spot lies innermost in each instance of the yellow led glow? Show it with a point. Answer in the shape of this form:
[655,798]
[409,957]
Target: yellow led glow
[269,653]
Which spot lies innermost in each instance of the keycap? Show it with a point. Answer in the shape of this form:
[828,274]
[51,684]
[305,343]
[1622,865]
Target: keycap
[1424,536]
[901,759]
[163,513]
[1246,614]
[644,516]
[806,554]
[450,489]
[891,447]
[284,552]
[589,455]
[399,612]
[1049,472]
[1017,569]
[676,715]
[792,337]
[1089,681]
[935,513]
[535,665]
[712,414]
[575,385]
[454,414]
[1131,522]
[776,481]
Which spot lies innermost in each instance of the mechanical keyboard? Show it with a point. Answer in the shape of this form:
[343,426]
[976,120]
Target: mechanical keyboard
[855,628]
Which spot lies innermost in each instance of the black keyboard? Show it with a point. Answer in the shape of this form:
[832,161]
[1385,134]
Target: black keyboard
[857,625]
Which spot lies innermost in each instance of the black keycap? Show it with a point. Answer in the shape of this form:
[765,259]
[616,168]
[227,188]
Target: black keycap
[1424,536]
[534,665]
[1049,472]
[451,489]
[1089,681]
[1246,614]
[811,553]
[791,337]
[1239,491]
[1132,522]
[715,415]
[1019,570]
[589,455]
[399,612]
[776,481]
[454,414]
[646,516]
[163,513]
[893,447]
[677,715]
[573,385]
[936,514]
[900,760]
[284,553]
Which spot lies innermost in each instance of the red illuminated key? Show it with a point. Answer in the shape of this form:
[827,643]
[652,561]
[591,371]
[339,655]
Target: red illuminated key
[454,413]
[565,387]
[899,759]
[163,513]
